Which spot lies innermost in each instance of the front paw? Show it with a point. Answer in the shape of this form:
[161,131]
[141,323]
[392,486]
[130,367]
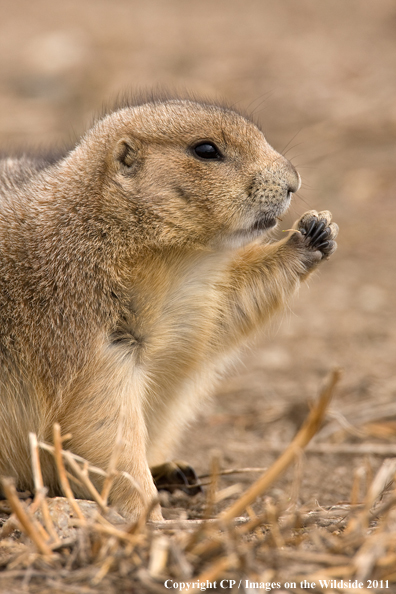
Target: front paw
[315,234]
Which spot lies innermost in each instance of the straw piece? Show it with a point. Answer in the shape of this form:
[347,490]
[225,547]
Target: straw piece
[84,478]
[40,489]
[352,449]
[103,571]
[62,473]
[213,572]
[229,471]
[158,557]
[104,527]
[28,524]
[303,437]
[190,524]
[385,475]
[40,496]
[91,468]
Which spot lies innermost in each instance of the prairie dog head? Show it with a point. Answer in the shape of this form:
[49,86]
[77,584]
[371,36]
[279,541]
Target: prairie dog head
[189,172]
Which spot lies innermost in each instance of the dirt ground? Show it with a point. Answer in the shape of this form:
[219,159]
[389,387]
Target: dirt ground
[320,78]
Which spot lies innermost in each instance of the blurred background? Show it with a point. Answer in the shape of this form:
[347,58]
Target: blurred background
[320,78]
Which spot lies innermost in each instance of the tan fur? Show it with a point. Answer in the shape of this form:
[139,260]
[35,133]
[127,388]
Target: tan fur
[131,272]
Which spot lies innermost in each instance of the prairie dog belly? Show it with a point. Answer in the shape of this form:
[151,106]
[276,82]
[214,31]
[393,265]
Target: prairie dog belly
[180,358]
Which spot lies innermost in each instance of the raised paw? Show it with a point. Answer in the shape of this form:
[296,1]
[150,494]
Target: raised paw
[317,234]
[176,475]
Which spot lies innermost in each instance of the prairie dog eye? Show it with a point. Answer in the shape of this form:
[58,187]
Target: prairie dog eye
[207,150]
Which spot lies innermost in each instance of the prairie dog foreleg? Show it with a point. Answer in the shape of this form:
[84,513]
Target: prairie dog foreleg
[262,278]
[101,402]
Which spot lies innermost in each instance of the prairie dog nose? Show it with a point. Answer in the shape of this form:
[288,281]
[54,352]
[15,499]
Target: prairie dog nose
[285,173]
[293,178]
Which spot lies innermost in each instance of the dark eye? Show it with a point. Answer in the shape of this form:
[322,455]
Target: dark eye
[207,150]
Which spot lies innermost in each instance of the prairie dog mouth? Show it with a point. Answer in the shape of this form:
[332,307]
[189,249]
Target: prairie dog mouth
[262,223]
[269,220]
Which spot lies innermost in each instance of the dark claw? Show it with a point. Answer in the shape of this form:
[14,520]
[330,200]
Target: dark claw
[320,238]
[323,246]
[176,475]
[317,233]
[312,227]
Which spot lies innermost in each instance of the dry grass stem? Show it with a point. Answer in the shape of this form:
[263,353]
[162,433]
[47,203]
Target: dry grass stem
[136,486]
[227,492]
[358,475]
[353,449]
[28,524]
[302,438]
[105,528]
[384,476]
[158,557]
[215,570]
[94,469]
[106,565]
[40,489]
[82,474]
[287,541]
[230,471]
[355,416]
[211,493]
[62,473]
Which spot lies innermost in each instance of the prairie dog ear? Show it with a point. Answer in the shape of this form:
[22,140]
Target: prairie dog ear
[126,153]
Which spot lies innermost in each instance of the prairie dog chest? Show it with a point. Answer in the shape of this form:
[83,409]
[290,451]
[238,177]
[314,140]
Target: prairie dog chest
[177,305]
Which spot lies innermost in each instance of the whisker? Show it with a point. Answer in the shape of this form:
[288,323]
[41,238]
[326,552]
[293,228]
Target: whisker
[291,140]
[291,148]
[261,97]
[304,166]
[264,98]
[298,195]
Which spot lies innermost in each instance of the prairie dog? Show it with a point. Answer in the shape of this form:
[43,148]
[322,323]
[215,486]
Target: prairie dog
[131,270]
